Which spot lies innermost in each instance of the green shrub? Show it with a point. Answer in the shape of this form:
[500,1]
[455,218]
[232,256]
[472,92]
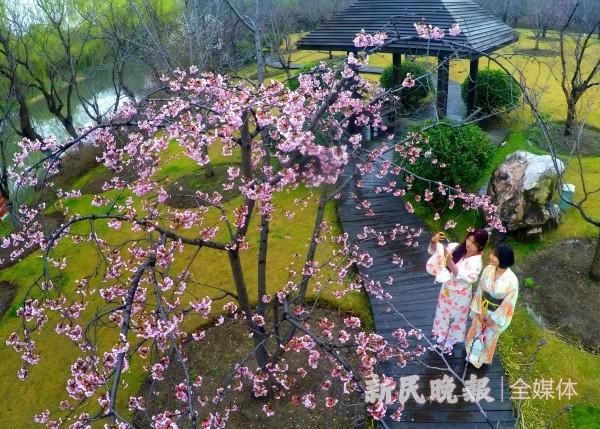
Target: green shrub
[496,90]
[465,150]
[412,95]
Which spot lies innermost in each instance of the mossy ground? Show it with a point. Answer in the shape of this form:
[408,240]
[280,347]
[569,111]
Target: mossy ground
[288,245]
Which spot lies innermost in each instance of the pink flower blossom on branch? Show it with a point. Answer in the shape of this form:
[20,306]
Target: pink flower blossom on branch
[428,32]
[365,40]
[271,141]
[409,81]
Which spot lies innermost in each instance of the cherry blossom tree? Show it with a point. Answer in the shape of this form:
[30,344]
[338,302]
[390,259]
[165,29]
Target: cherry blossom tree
[143,292]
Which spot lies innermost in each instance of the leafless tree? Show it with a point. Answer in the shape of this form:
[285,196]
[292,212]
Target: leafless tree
[581,71]
[281,23]
[542,15]
[10,73]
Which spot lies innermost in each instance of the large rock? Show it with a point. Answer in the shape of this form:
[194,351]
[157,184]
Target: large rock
[522,187]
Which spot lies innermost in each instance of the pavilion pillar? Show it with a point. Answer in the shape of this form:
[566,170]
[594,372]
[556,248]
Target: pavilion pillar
[396,63]
[472,85]
[442,86]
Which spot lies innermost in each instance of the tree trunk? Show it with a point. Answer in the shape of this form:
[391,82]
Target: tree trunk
[595,270]
[506,9]
[264,239]
[260,61]
[261,354]
[67,122]
[25,122]
[208,168]
[544,30]
[571,116]
[537,43]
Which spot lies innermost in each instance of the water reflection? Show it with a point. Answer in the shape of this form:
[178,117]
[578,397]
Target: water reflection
[99,90]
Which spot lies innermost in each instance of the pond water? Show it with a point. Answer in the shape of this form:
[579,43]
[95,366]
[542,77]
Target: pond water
[98,88]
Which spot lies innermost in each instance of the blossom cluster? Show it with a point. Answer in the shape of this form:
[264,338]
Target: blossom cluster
[429,32]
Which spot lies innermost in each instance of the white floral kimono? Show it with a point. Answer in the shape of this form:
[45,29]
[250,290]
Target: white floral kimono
[450,323]
[495,301]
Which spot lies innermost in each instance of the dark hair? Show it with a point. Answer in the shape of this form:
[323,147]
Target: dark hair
[481,238]
[505,255]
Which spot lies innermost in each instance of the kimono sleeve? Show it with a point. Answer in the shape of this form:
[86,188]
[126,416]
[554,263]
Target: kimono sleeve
[434,263]
[503,314]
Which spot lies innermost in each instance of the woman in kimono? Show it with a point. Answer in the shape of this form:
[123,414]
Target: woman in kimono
[463,264]
[493,306]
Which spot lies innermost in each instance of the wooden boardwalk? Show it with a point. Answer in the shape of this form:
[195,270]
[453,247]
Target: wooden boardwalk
[415,295]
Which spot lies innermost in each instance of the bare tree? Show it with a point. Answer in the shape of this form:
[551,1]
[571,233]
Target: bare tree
[254,25]
[578,72]
[10,73]
[542,15]
[281,23]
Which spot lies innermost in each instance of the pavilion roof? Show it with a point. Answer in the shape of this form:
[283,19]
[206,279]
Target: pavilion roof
[481,31]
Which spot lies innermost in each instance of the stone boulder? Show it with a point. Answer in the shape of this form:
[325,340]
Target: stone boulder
[522,188]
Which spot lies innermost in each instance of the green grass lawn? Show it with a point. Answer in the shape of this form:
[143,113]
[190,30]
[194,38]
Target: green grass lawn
[556,360]
[45,387]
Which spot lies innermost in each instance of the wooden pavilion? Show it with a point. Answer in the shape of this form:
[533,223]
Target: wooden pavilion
[482,33]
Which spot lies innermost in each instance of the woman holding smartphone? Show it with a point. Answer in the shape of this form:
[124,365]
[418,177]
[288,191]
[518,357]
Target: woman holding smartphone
[463,262]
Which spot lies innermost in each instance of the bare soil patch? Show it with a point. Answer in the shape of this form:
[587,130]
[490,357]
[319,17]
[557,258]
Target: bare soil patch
[212,359]
[587,142]
[76,163]
[556,285]
[94,185]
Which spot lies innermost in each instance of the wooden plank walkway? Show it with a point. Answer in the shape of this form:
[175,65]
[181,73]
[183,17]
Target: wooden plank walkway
[415,295]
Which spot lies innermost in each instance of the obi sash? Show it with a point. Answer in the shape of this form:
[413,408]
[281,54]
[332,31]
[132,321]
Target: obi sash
[488,302]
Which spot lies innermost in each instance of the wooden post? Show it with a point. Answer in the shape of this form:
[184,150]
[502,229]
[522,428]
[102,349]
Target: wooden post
[396,63]
[442,86]
[472,85]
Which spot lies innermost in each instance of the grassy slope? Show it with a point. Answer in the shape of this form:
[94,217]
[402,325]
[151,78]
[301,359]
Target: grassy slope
[554,361]
[288,238]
